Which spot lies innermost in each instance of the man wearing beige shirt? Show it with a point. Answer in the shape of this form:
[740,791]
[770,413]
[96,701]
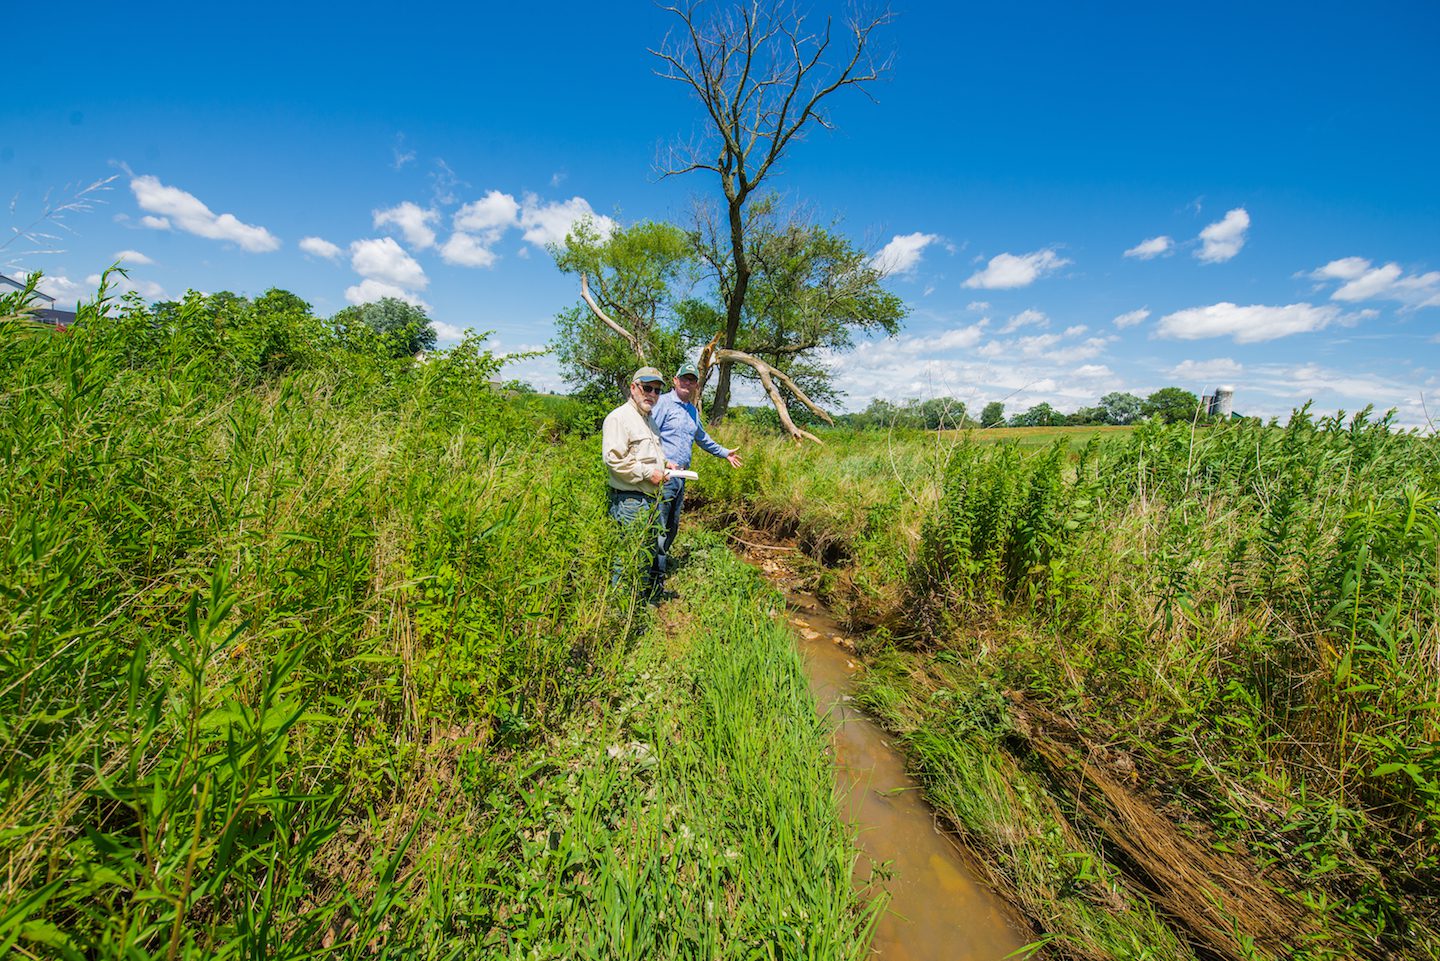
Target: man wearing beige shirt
[636,464]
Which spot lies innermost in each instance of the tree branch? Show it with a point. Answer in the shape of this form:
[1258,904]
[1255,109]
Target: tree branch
[630,338]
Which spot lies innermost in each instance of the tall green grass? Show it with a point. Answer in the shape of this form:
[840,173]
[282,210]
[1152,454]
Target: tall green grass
[1249,611]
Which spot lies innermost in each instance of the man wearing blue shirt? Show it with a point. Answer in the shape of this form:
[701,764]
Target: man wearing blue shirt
[677,420]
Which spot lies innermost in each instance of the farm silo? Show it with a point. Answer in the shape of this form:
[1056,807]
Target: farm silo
[1223,402]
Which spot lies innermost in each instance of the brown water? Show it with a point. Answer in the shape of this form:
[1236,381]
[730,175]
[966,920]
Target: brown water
[938,909]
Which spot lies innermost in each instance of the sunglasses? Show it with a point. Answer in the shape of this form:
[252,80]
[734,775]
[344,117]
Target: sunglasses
[649,388]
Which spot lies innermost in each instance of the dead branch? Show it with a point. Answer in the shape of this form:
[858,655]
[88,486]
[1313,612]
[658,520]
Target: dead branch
[630,338]
[768,375]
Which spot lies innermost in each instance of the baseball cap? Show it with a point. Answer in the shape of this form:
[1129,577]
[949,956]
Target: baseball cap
[645,374]
[687,370]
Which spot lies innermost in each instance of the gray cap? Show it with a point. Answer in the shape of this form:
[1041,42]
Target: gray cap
[645,375]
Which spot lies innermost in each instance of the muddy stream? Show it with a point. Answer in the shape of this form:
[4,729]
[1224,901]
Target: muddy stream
[938,907]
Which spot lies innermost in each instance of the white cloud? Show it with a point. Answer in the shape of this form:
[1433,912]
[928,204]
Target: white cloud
[133,258]
[370,290]
[448,333]
[1006,271]
[1152,248]
[1076,330]
[65,291]
[1026,318]
[382,259]
[902,254]
[175,207]
[549,223]
[320,247]
[1389,282]
[1249,325]
[1346,268]
[125,285]
[466,250]
[1131,317]
[495,212]
[1223,239]
[978,305]
[1207,371]
[413,221]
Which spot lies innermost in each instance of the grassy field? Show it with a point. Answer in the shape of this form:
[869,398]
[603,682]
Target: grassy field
[310,650]
[1180,687]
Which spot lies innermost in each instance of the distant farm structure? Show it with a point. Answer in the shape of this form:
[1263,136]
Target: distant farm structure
[46,314]
[1219,404]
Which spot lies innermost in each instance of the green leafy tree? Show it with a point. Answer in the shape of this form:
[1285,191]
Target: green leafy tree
[404,326]
[1041,415]
[1121,407]
[636,279]
[993,415]
[1171,405]
[811,290]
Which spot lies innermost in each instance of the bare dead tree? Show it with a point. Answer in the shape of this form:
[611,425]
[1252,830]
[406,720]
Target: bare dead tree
[763,76]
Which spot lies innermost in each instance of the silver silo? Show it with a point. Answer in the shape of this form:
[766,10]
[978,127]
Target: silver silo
[1224,402]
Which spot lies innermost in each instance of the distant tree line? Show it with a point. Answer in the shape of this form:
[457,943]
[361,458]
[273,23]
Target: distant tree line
[1118,408]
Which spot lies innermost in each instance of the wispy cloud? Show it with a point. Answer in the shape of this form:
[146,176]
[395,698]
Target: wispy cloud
[1131,317]
[1361,281]
[1026,318]
[172,207]
[1007,271]
[132,258]
[1152,248]
[1223,239]
[1253,324]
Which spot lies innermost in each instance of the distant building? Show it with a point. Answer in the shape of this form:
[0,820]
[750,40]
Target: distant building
[47,312]
[1221,403]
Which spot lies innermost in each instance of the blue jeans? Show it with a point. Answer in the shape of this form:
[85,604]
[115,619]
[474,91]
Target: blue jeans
[672,499]
[630,509]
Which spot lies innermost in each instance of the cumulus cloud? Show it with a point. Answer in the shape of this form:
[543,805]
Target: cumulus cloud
[1223,239]
[549,223]
[173,207]
[1389,282]
[1026,318]
[466,250]
[448,333]
[902,254]
[133,258]
[413,222]
[492,213]
[1006,271]
[1131,317]
[370,290]
[65,291]
[1152,248]
[1249,325]
[319,247]
[382,259]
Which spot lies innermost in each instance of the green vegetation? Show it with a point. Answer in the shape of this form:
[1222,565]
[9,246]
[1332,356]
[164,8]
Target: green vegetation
[311,649]
[1213,649]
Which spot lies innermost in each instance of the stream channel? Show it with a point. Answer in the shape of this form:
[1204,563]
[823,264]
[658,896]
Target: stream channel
[938,907]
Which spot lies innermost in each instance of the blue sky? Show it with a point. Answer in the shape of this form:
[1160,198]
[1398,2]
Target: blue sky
[1071,202]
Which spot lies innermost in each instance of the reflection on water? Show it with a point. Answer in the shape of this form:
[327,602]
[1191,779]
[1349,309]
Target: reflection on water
[937,908]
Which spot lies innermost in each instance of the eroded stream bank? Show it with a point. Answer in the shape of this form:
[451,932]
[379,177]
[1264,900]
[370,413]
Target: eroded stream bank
[938,909]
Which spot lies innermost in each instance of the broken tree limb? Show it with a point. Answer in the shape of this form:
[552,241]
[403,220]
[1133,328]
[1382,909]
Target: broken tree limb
[768,375]
[630,338]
